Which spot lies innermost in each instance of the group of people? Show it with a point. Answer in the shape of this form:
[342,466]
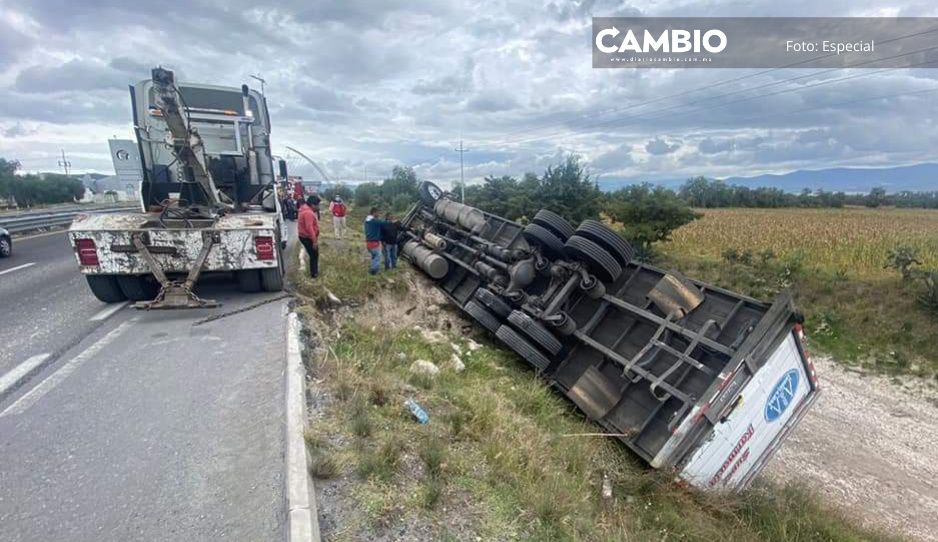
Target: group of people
[380,233]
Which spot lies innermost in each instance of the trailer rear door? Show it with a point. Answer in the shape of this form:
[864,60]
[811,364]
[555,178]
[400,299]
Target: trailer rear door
[766,408]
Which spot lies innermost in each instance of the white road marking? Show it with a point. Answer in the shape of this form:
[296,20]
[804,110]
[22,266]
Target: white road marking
[56,378]
[19,373]
[17,268]
[106,312]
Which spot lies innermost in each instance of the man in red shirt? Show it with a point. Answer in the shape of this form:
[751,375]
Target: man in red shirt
[307,229]
[338,210]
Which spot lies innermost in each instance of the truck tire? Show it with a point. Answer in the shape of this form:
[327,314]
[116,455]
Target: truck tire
[596,258]
[249,280]
[494,303]
[536,331]
[105,288]
[551,245]
[555,223]
[138,287]
[483,316]
[429,193]
[522,347]
[606,237]
[272,279]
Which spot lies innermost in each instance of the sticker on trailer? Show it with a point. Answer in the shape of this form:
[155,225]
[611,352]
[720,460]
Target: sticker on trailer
[763,408]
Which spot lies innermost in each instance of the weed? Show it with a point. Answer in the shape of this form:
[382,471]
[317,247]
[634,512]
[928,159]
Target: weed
[361,420]
[432,491]
[323,465]
[382,462]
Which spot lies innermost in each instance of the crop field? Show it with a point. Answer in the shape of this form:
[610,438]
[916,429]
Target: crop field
[857,310]
[850,241]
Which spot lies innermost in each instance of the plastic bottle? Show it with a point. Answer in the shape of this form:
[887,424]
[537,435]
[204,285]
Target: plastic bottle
[419,413]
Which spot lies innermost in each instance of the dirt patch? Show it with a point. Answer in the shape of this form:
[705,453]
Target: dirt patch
[870,446]
[423,306]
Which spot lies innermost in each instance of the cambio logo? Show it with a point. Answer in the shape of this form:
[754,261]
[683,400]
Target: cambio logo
[669,41]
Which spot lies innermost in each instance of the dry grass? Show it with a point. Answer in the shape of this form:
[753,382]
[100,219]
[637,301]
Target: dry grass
[493,462]
[853,241]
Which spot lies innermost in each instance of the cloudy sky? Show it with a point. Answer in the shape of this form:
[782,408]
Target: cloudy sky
[361,86]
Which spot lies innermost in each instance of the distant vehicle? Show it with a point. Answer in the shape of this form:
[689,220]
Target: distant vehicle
[6,243]
[697,380]
[208,198]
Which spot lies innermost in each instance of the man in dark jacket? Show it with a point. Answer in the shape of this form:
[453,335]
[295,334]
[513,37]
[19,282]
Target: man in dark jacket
[373,229]
[389,232]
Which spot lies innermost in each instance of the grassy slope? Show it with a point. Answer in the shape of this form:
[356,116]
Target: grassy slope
[856,310]
[497,460]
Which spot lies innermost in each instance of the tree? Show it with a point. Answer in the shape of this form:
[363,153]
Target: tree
[648,214]
[367,194]
[343,191]
[402,182]
[567,190]
[876,197]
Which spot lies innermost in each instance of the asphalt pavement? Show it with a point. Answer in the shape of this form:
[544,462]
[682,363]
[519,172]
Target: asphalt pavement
[137,425]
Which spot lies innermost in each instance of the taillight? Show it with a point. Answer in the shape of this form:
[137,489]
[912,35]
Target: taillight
[264,247]
[87,252]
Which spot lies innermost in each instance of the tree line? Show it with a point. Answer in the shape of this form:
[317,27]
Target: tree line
[709,193]
[28,190]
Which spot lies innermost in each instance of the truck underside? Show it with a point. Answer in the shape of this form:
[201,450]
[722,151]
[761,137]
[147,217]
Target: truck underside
[661,361]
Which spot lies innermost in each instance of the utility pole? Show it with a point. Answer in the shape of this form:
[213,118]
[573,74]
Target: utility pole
[65,163]
[462,176]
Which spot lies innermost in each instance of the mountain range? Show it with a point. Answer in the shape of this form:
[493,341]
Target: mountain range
[918,177]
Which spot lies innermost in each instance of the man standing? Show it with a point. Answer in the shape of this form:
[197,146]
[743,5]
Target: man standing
[389,233]
[338,210]
[307,229]
[373,229]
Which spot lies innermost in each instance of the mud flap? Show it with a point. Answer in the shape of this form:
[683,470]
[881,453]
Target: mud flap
[594,393]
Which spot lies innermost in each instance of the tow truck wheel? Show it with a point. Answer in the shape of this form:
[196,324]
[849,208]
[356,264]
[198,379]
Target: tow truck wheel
[138,287]
[105,288]
[429,193]
[249,280]
[271,280]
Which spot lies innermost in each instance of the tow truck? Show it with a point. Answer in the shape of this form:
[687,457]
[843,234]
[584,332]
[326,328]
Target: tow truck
[208,200]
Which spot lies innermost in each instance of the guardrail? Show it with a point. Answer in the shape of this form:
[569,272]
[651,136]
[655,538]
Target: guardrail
[36,221]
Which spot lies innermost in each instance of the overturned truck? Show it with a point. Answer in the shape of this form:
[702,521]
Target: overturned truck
[695,379]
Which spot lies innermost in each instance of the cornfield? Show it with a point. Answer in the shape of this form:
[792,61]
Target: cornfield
[850,241]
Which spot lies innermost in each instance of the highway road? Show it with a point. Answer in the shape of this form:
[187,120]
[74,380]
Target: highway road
[136,425]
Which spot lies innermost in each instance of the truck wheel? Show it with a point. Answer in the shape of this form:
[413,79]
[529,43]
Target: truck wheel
[523,348]
[537,332]
[493,302]
[272,280]
[249,280]
[551,245]
[596,258]
[105,288]
[138,287]
[429,193]
[555,223]
[483,316]
[606,237]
